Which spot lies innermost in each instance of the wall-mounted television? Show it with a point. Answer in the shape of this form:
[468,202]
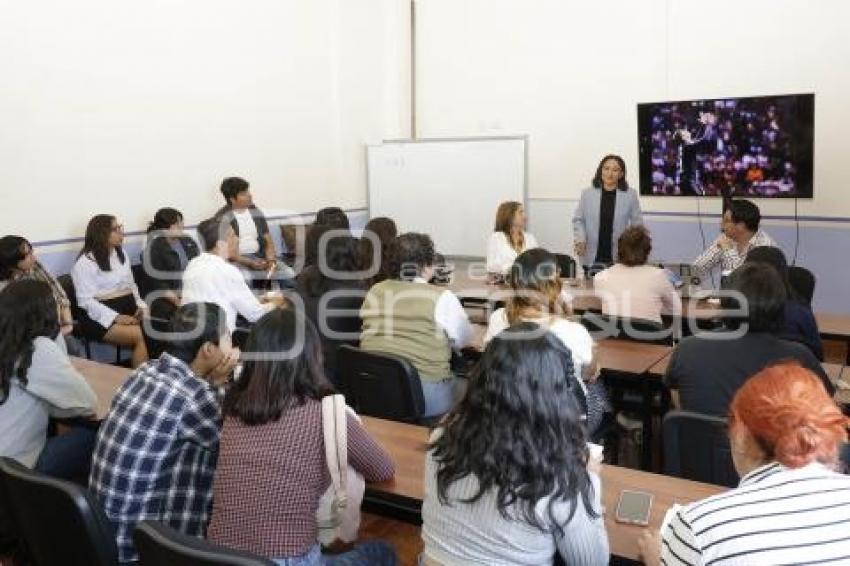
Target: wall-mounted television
[755,146]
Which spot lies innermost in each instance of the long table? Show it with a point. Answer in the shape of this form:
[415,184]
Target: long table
[407,444]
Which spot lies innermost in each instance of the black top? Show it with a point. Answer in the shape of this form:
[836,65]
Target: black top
[259,221]
[604,247]
[163,266]
[801,326]
[340,313]
[708,372]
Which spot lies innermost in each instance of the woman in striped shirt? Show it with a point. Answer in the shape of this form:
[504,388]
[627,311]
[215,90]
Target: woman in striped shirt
[791,506]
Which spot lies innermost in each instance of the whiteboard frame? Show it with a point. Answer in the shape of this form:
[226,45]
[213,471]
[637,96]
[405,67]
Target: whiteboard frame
[400,141]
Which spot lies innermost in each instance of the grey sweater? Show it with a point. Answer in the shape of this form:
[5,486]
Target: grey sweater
[586,219]
[476,534]
[54,389]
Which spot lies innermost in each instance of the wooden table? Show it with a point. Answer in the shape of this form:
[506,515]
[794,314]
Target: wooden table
[104,379]
[407,444]
[835,327]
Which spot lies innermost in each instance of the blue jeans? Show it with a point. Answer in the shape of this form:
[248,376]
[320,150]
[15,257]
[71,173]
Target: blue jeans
[441,396]
[68,456]
[377,553]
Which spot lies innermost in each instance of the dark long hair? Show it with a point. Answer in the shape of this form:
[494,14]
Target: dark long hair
[340,255]
[774,257]
[27,311]
[97,241]
[622,184]
[164,219]
[12,251]
[385,230]
[536,287]
[270,384]
[518,429]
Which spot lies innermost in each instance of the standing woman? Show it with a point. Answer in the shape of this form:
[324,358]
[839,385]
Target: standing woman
[509,238]
[168,252]
[605,209]
[106,292]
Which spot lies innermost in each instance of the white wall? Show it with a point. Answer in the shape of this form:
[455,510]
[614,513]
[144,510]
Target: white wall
[123,107]
[570,73]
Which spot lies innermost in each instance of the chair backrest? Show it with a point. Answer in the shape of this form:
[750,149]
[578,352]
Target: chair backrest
[67,284]
[380,384]
[566,265]
[803,282]
[158,545]
[58,521]
[143,282]
[153,329]
[696,447]
[603,326]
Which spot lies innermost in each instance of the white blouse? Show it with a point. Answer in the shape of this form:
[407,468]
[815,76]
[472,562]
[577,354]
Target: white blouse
[93,285]
[500,254]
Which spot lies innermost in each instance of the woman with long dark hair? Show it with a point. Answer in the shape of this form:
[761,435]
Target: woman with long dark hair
[18,261]
[169,250]
[604,210]
[381,230]
[106,291]
[271,470]
[37,381]
[332,296]
[506,475]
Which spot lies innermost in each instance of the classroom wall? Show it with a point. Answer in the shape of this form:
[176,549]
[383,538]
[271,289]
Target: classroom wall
[123,107]
[570,73]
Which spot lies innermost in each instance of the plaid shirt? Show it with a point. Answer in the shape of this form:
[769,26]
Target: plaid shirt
[729,259]
[156,452]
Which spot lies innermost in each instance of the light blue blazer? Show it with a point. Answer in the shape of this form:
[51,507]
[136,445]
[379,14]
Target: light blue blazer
[586,219]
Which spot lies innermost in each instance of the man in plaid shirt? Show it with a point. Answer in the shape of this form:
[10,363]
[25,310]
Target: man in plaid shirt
[740,234]
[157,449]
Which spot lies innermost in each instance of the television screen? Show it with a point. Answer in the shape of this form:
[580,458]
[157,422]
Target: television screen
[758,146]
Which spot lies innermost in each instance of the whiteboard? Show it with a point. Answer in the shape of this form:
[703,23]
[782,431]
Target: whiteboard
[447,188]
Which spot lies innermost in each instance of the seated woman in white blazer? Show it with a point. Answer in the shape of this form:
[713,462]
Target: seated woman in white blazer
[509,238]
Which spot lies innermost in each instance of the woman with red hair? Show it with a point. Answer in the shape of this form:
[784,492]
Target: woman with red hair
[791,506]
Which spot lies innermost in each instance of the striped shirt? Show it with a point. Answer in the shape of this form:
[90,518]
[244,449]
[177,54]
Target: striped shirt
[775,516]
[729,259]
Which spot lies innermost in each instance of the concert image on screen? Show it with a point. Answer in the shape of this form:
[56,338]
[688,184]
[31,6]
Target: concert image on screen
[760,146]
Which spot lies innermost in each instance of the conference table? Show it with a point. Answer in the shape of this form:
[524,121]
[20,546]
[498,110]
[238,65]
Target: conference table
[407,444]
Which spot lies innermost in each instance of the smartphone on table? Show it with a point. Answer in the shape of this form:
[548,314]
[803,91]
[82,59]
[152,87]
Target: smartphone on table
[634,507]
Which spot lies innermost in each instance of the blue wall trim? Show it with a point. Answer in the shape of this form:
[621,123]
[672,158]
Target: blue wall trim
[836,219]
[304,215]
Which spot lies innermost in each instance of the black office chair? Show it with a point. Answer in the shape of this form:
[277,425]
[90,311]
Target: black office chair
[566,265]
[803,283]
[381,385]
[696,447]
[67,284]
[58,521]
[158,545]
[603,326]
[9,540]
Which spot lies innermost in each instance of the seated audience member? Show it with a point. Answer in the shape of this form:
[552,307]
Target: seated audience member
[509,238]
[272,469]
[106,291]
[256,254]
[156,451]
[409,317]
[740,232]
[507,478]
[18,261]
[332,298]
[800,324]
[334,217]
[631,288]
[169,250]
[383,231]
[210,278]
[791,506]
[708,368]
[37,382]
[536,295]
